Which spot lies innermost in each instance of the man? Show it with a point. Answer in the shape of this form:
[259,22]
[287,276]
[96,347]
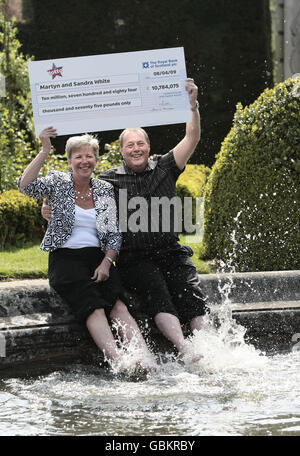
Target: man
[151,262]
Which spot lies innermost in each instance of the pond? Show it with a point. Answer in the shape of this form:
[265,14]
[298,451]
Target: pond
[234,390]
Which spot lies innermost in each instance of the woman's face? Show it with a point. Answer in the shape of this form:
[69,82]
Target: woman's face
[82,162]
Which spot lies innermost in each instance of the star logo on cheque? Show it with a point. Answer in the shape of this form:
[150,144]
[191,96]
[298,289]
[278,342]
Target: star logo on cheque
[55,71]
[145,64]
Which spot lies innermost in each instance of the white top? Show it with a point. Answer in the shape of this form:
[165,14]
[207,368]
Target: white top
[84,233]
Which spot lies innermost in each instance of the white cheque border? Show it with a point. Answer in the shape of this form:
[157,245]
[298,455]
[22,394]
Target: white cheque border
[110,92]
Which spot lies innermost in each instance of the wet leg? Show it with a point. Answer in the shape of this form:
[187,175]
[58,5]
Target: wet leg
[170,327]
[128,328]
[197,323]
[100,331]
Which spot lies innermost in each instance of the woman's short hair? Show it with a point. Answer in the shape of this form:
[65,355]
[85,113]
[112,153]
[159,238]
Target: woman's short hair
[127,130]
[75,142]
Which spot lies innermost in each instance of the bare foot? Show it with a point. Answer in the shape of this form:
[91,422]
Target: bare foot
[148,364]
[187,354]
[138,367]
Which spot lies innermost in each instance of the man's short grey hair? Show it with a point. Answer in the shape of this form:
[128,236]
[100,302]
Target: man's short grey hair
[128,130]
[75,142]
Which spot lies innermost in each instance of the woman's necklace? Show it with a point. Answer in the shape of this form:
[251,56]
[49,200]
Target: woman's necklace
[83,196]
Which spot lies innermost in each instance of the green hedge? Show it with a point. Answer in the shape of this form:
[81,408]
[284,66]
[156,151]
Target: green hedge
[252,195]
[20,219]
[191,183]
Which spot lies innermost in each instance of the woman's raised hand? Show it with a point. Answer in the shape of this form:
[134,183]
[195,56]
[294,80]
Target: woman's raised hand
[45,135]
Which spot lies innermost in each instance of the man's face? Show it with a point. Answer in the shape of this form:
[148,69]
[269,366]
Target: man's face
[135,150]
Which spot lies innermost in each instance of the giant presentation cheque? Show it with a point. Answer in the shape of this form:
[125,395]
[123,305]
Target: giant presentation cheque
[110,92]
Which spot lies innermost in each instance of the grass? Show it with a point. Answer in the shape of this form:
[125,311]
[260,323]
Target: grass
[201,266]
[30,262]
[23,263]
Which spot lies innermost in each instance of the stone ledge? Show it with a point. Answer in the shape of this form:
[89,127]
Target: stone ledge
[253,286]
[34,296]
[37,329]
[272,305]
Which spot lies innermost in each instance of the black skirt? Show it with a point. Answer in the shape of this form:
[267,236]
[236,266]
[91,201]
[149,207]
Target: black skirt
[70,272]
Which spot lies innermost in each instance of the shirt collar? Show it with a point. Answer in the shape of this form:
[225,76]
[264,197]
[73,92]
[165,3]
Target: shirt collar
[124,169]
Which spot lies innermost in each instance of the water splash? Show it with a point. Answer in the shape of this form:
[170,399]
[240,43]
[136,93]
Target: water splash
[134,360]
[224,349]
[222,340]
[219,346]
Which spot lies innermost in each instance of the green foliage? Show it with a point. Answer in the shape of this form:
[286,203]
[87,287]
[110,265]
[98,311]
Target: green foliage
[54,162]
[16,123]
[110,159]
[252,195]
[192,181]
[20,219]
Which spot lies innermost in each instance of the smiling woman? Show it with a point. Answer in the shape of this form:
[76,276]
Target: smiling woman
[82,162]
[83,241]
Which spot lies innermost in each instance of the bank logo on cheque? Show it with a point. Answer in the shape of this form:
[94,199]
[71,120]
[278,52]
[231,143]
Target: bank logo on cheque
[160,63]
[55,71]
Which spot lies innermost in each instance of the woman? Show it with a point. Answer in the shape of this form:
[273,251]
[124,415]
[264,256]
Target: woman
[83,242]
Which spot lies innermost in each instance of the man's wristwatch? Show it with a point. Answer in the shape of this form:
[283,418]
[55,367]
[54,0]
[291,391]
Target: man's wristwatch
[196,106]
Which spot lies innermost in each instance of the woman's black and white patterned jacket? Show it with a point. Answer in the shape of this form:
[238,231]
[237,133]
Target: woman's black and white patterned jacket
[58,187]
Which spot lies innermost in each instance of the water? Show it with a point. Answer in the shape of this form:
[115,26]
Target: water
[234,389]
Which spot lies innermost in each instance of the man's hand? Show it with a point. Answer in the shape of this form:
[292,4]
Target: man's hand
[192,90]
[186,147]
[46,210]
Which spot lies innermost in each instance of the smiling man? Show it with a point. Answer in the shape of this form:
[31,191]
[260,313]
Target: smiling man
[135,148]
[152,262]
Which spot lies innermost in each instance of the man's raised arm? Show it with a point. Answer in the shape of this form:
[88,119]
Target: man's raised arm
[186,147]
